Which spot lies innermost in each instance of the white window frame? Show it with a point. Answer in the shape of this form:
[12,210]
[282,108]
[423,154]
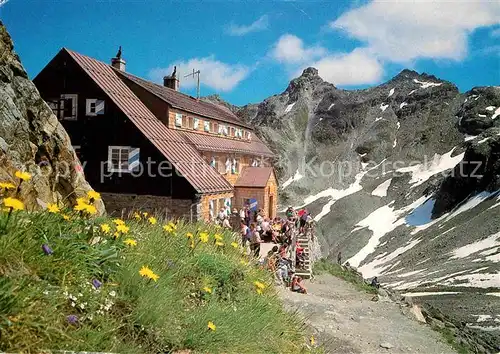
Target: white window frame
[88,105]
[129,153]
[74,106]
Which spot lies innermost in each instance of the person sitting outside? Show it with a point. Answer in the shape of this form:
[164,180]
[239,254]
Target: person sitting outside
[266,230]
[297,285]
[255,240]
[375,283]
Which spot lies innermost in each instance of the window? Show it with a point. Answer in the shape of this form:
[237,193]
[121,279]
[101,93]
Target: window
[235,166]
[206,125]
[123,159]
[178,120]
[65,107]
[196,124]
[228,165]
[231,131]
[215,127]
[94,107]
[221,167]
[190,122]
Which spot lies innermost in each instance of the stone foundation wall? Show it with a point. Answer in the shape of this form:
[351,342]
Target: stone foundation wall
[121,205]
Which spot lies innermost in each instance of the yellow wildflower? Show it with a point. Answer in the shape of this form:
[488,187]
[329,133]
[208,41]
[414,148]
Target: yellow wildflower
[130,242]
[65,217]
[207,289]
[259,291]
[145,214]
[211,326]
[118,221]
[25,176]
[122,228]
[53,208]
[218,237]
[243,262]
[167,228]
[218,243]
[13,203]
[94,195]
[116,234]
[148,273]
[189,235]
[7,185]
[105,228]
[192,244]
[172,225]
[234,244]
[259,285]
[204,237]
[137,216]
[82,205]
[152,220]
[312,341]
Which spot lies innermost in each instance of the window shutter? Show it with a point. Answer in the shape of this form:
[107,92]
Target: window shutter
[133,159]
[196,124]
[99,107]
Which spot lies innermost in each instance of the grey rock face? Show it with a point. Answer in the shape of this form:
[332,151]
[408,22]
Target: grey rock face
[389,174]
[32,139]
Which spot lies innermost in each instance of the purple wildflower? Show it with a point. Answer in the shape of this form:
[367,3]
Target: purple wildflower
[97,284]
[47,250]
[72,319]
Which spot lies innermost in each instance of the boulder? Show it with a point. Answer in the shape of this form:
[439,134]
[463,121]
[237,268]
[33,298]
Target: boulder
[33,140]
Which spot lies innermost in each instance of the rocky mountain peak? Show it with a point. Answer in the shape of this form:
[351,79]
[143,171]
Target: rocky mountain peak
[309,79]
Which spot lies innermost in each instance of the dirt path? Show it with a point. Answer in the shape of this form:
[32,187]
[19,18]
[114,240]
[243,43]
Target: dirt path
[345,320]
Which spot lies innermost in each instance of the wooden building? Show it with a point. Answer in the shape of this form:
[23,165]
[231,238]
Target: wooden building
[150,147]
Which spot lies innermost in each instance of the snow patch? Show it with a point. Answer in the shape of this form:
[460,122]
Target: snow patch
[403,104]
[383,107]
[411,92]
[289,107]
[470,137]
[391,92]
[467,250]
[292,179]
[482,115]
[422,172]
[430,293]
[382,221]
[409,274]
[330,107]
[425,84]
[395,143]
[335,194]
[483,140]
[381,190]
[490,108]
[493,294]
[399,125]
[475,280]
[378,118]
[496,114]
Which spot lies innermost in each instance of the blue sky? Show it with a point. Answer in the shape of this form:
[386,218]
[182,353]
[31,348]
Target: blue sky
[249,50]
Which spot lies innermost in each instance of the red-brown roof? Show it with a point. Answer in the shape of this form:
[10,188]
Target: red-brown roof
[185,158]
[254,176]
[207,142]
[185,102]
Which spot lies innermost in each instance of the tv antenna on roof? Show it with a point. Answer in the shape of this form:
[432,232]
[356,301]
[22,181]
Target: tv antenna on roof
[197,72]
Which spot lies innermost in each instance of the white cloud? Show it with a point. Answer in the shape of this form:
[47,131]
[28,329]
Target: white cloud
[404,31]
[215,74]
[258,25]
[290,49]
[3,2]
[356,68]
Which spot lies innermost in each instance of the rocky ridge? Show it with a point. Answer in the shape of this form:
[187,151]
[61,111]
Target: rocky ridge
[403,179]
[32,139]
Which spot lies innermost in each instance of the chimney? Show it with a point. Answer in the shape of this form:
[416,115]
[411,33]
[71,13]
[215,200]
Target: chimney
[117,62]
[172,81]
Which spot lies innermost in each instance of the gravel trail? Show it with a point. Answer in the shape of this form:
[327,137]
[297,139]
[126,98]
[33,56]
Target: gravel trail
[346,320]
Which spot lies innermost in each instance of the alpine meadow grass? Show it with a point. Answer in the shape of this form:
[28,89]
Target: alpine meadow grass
[144,285]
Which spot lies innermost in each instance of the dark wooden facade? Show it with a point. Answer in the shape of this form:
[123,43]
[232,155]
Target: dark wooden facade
[94,134]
